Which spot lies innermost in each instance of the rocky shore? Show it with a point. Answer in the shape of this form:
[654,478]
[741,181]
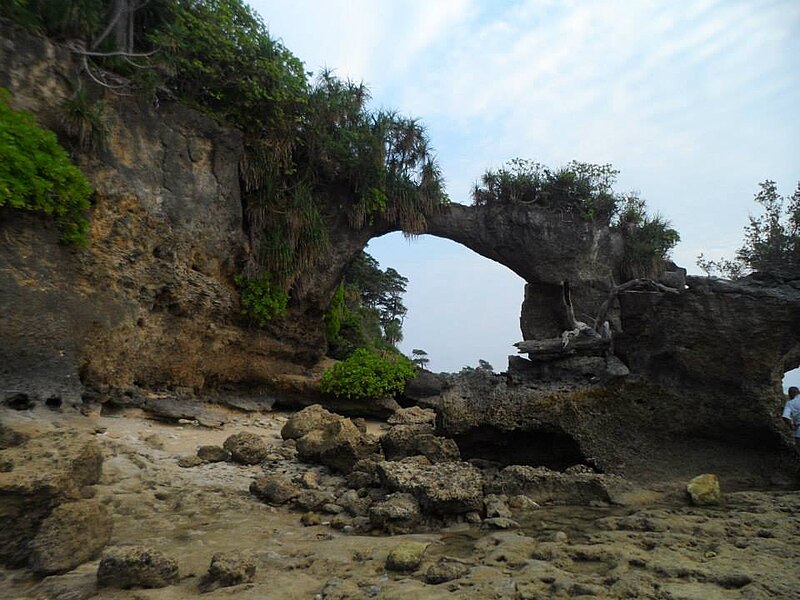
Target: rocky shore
[316,505]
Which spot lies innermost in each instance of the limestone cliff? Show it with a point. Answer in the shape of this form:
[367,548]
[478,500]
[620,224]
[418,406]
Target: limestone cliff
[151,301]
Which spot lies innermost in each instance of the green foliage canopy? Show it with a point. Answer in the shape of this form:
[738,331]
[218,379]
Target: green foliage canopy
[368,308]
[262,301]
[37,175]
[368,375]
[771,239]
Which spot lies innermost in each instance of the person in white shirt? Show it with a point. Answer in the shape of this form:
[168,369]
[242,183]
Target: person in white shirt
[791,414]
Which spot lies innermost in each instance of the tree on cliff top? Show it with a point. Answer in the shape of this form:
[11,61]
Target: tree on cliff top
[771,239]
[584,191]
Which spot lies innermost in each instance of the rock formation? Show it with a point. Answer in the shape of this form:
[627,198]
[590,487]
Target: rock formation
[151,303]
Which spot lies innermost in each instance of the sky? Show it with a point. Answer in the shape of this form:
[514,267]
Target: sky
[694,102]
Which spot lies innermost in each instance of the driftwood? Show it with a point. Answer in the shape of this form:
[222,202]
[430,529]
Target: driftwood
[580,338]
[555,348]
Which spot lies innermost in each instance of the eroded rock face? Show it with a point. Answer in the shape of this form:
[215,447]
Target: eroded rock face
[151,299]
[546,486]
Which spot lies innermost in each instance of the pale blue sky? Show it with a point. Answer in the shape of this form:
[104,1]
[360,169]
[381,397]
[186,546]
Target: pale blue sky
[694,102]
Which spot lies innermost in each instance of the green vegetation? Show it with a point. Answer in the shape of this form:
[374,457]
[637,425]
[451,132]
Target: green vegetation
[262,301]
[582,188]
[584,191]
[771,239]
[84,121]
[367,310]
[420,358]
[368,375]
[648,239]
[307,141]
[37,175]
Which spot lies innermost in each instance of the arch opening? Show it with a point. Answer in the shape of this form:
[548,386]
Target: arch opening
[462,307]
[791,378]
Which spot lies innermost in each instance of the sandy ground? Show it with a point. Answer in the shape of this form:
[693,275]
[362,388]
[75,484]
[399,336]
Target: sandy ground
[747,548]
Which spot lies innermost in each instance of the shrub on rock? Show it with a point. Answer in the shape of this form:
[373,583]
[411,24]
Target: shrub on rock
[368,375]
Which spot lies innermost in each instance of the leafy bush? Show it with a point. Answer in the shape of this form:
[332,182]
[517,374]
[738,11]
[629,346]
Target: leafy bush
[367,375]
[261,300]
[84,121]
[584,186]
[648,239]
[37,175]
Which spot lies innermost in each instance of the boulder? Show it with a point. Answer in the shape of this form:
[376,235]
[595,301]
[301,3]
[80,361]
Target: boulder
[445,571]
[213,454]
[354,504]
[136,566]
[58,466]
[73,534]
[703,490]
[338,445]
[545,486]
[418,439]
[226,570]
[307,420]
[441,488]
[274,488]
[246,448]
[425,385]
[398,513]
[406,556]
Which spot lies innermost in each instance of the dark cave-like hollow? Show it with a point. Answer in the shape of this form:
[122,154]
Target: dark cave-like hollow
[551,448]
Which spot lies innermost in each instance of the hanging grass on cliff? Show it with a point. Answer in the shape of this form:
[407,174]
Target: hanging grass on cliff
[304,139]
[37,175]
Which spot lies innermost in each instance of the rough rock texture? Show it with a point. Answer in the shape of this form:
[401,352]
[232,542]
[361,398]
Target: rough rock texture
[274,488]
[704,490]
[136,566]
[398,513]
[443,488]
[47,471]
[546,486]
[307,420]
[413,415]
[418,439]
[445,571]
[246,448]
[227,570]
[73,534]
[338,445]
[151,300]
[212,454]
[406,556]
